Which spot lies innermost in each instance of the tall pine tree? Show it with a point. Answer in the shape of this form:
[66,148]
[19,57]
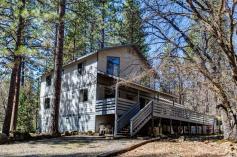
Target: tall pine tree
[133,31]
[58,63]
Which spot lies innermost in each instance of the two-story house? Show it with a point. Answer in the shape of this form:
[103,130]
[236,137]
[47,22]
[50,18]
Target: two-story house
[112,88]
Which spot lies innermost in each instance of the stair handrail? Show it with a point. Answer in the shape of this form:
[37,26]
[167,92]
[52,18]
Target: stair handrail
[125,118]
[144,108]
[147,113]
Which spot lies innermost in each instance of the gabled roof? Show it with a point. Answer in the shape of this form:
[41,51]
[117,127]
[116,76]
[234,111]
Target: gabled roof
[103,50]
[110,48]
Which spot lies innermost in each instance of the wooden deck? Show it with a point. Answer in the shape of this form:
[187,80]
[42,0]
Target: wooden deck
[160,108]
[107,106]
[164,108]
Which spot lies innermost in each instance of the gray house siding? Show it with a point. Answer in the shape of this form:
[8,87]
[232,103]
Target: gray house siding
[74,114]
[77,115]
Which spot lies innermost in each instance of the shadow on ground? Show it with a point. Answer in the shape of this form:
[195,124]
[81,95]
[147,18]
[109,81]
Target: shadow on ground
[67,140]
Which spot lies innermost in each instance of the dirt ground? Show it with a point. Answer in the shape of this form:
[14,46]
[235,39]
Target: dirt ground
[65,146]
[78,146]
[185,149]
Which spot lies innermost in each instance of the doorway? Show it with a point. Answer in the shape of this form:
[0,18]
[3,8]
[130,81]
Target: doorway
[142,102]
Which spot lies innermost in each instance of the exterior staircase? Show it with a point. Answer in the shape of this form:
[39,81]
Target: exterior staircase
[134,119]
[124,121]
[141,118]
[131,122]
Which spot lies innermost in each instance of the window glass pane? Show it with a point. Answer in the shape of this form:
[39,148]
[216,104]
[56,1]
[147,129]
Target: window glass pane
[83,95]
[113,65]
[81,68]
[47,103]
[48,80]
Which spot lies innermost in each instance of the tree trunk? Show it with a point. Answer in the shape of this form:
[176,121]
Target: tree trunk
[22,72]
[15,69]
[11,96]
[54,129]
[229,125]
[16,100]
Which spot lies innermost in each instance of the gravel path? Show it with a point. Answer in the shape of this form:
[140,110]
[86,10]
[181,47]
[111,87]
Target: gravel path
[184,149]
[65,146]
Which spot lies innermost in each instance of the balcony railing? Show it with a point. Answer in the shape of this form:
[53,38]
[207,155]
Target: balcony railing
[107,106]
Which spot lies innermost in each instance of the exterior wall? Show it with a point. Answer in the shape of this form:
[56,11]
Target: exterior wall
[74,115]
[80,116]
[131,64]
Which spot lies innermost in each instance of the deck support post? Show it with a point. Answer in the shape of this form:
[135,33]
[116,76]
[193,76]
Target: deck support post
[170,126]
[189,129]
[202,129]
[115,114]
[179,129]
[152,126]
[183,129]
[213,127]
[152,119]
[196,128]
[160,129]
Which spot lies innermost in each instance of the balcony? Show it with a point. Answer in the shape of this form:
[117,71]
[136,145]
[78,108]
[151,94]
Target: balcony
[107,106]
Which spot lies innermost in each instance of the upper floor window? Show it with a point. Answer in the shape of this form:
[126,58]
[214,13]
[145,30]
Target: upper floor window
[81,68]
[48,80]
[113,65]
[83,95]
[47,103]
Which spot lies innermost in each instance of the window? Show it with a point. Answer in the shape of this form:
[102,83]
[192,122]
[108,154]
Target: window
[83,95]
[81,68]
[109,93]
[113,65]
[47,121]
[47,103]
[48,80]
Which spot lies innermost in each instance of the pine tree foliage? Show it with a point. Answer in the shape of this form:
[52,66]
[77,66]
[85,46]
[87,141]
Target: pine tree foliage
[133,29]
[28,108]
[89,24]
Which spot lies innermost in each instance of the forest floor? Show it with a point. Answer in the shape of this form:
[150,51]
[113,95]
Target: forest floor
[91,146]
[219,148]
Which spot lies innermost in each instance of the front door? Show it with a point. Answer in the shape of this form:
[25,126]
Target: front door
[142,102]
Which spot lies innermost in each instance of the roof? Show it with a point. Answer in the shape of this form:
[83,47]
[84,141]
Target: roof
[133,84]
[104,49]
[109,48]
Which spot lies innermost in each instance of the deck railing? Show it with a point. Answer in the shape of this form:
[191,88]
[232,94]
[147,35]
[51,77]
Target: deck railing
[107,106]
[165,109]
[141,118]
[125,118]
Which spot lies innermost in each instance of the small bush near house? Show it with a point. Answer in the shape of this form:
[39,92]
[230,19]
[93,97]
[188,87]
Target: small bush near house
[3,138]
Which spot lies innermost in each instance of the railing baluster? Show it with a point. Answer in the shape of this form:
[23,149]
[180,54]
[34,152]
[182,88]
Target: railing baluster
[139,120]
